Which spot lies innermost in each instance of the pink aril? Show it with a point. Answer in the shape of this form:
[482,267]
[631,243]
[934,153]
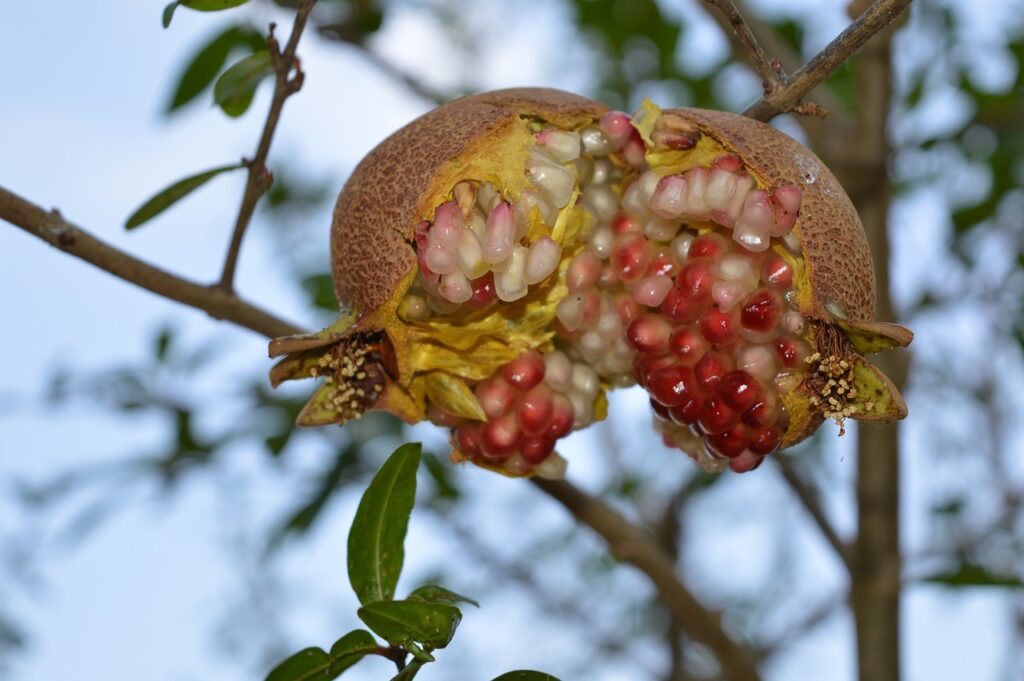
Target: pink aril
[718,326]
[750,239]
[535,410]
[696,279]
[525,371]
[447,227]
[634,151]
[726,294]
[754,224]
[631,254]
[651,291]
[709,245]
[745,462]
[786,204]
[696,204]
[558,371]
[687,344]
[467,438]
[626,307]
[561,145]
[679,307]
[792,322]
[455,287]
[721,187]
[669,197]
[542,259]
[617,128]
[776,272]
[729,216]
[757,359]
[623,223]
[649,333]
[536,449]
[791,352]
[499,438]
[495,395]
[583,272]
[561,417]
[498,241]
[663,263]
[728,162]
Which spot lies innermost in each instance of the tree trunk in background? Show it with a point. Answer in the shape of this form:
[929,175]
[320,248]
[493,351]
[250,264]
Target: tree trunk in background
[875,589]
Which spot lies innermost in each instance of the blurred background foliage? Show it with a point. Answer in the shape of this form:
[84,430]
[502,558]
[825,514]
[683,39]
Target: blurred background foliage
[957,166]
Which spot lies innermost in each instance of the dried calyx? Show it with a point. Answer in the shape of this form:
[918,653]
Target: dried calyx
[547,249]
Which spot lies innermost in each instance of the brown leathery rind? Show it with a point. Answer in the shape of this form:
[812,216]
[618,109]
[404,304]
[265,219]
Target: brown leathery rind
[372,228]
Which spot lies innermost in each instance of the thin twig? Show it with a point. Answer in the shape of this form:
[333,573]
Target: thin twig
[768,68]
[288,77]
[635,545]
[791,90]
[58,232]
[809,499]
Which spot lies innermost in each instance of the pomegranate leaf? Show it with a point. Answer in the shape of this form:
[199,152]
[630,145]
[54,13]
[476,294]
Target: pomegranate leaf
[411,622]
[525,675]
[235,88]
[167,197]
[199,6]
[209,60]
[375,551]
[409,671]
[314,663]
[431,593]
[970,574]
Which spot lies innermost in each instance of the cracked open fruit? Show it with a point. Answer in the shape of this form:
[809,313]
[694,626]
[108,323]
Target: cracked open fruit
[507,258]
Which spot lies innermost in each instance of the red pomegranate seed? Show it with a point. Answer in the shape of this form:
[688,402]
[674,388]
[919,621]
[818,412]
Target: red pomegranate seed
[646,365]
[765,440]
[762,413]
[739,390]
[536,449]
[718,327]
[623,223]
[711,245]
[678,307]
[686,414]
[716,417]
[761,311]
[535,410]
[483,292]
[695,279]
[631,255]
[731,443]
[500,437]
[710,369]
[687,344]
[660,409]
[663,263]
[776,272]
[561,417]
[495,396]
[525,371]
[672,385]
[649,333]
[745,462]
[791,352]
[468,438]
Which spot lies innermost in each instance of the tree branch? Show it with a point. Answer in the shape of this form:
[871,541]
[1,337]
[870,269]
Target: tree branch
[791,90]
[812,504]
[769,68]
[633,544]
[59,233]
[260,177]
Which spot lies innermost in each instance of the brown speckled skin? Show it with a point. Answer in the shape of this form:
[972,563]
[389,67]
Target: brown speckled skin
[832,239]
[372,229]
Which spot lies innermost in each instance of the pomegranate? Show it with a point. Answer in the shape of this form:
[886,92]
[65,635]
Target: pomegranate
[508,257]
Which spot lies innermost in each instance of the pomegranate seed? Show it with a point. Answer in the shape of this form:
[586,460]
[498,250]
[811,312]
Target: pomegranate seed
[626,307]
[672,385]
[468,438]
[719,327]
[647,365]
[696,279]
[562,416]
[711,245]
[761,413]
[686,414]
[745,462]
[687,344]
[776,272]
[623,223]
[731,443]
[678,307]
[765,440]
[583,272]
[710,369]
[739,390]
[664,263]
[536,449]
[649,333]
[495,396]
[631,254]
[716,416]
[525,371]
[761,311]
[651,291]
[617,127]
[660,409]
[791,352]
[500,437]
[535,410]
[483,292]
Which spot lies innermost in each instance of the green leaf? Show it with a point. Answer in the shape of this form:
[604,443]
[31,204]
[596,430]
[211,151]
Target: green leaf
[431,593]
[969,574]
[167,197]
[200,6]
[525,675]
[403,623]
[314,663]
[409,671]
[375,540]
[235,88]
[209,60]
[320,289]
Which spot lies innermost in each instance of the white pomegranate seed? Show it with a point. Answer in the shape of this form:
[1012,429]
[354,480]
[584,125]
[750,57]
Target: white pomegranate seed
[721,187]
[660,229]
[757,216]
[600,200]
[470,255]
[455,287]
[585,380]
[696,203]
[601,241]
[510,282]
[582,409]
[487,197]
[617,128]
[447,227]
[553,180]
[552,468]
[602,171]
[440,259]
[570,311]
[726,294]
[650,291]
[792,321]
[557,371]
[527,200]
[738,268]
[669,196]
[497,245]
[561,145]
[592,343]
[595,142]
[516,465]
[413,308]
[758,361]
[728,217]
[478,224]
[681,245]
[542,259]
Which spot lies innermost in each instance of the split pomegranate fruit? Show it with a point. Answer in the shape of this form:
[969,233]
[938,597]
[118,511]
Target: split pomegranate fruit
[507,258]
